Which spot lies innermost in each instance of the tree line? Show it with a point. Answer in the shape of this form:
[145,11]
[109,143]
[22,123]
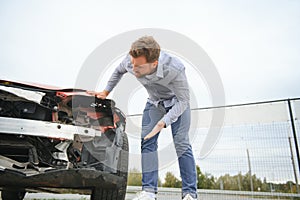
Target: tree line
[239,182]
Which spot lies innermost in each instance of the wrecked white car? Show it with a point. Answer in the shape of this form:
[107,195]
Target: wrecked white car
[53,140]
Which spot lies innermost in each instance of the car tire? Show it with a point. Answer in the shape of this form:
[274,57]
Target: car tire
[12,194]
[118,193]
[123,166]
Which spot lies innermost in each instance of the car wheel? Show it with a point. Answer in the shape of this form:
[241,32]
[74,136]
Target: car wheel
[118,193]
[12,194]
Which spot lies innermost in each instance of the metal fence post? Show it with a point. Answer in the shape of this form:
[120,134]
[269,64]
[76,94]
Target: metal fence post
[250,171]
[294,132]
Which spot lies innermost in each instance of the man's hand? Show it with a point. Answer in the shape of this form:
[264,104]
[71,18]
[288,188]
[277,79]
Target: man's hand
[157,128]
[101,95]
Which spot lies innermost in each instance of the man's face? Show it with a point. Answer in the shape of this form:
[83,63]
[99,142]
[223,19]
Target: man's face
[141,67]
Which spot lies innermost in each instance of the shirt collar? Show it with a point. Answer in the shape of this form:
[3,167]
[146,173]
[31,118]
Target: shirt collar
[160,67]
[160,71]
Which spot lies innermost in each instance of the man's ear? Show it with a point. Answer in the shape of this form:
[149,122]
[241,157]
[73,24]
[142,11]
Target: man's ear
[156,63]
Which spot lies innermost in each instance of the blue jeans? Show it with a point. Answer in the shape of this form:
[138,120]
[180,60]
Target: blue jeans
[180,129]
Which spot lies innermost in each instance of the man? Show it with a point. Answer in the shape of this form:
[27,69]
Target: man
[164,78]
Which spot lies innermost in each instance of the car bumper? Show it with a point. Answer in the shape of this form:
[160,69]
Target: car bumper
[62,178]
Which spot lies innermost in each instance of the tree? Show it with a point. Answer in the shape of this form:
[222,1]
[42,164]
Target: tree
[228,182]
[205,181]
[171,181]
[134,177]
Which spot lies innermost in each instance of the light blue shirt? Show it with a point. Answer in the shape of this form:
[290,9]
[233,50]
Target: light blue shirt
[168,84]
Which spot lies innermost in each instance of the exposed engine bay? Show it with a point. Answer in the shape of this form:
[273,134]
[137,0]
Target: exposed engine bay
[45,129]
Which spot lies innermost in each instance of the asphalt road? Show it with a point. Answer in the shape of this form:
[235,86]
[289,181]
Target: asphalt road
[130,196]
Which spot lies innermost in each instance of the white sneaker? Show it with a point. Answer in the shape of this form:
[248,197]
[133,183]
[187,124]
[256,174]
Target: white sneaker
[189,197]
[145,196]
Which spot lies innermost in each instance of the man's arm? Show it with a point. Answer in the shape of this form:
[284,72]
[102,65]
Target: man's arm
[181,89]
[116,76]
[101,95]
[157,128]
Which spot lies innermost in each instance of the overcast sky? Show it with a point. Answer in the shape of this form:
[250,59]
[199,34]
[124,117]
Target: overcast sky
[255,44]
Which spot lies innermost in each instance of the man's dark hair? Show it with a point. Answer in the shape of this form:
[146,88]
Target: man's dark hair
[145,46]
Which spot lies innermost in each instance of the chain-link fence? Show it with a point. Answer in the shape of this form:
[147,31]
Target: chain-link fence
[256,148]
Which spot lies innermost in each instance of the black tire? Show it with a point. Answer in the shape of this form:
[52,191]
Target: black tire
[118,193]
[106,194]
[7,194]
[123,167]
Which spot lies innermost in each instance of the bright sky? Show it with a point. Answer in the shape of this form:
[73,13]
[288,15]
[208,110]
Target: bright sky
[254,44]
